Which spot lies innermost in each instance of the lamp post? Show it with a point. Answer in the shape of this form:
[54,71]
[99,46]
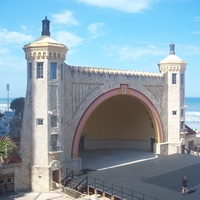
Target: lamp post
[7,88]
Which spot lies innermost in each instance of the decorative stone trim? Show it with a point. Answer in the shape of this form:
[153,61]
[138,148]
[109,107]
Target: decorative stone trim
[55,165]
[45,55]
[172,68]
[80,91]
[13,165]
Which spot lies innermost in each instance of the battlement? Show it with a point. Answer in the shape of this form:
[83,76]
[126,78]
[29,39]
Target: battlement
[91,70]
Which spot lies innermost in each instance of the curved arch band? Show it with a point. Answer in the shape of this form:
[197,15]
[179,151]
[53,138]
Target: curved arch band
[123,90]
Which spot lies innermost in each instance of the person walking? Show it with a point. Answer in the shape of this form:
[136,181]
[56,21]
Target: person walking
[184,185]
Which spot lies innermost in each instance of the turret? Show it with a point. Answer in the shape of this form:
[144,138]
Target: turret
[173,68]
[45,63]
[172,62]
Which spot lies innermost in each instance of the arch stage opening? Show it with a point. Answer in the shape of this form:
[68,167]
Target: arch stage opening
[120,118]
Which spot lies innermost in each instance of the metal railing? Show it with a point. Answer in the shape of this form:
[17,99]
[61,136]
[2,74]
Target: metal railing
[91,185]
[82,185]
[183,150]
[65,190]
[55,148]
[184,130]
[113,191]
[68,178]
[186,151]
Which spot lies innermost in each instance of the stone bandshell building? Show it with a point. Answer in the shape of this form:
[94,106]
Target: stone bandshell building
[70,108]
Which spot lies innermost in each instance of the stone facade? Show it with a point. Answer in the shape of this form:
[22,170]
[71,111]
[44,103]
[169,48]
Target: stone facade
[65,103]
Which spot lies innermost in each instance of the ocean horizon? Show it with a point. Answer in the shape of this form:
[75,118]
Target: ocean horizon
[192,117]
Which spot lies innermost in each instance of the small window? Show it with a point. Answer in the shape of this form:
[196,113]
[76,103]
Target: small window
[61,72]
[54,139]
[182,79]
[182,125]
[53,121]
[30,70]
[53,74]
[9,180]
[39,70]
[54,142]
[174,112]
[182,112]
[39,121]
[1,181]
[173,78]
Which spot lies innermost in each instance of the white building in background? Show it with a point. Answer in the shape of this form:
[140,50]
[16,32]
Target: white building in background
[68,109]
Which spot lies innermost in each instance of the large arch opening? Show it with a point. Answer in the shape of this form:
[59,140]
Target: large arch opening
[120,118]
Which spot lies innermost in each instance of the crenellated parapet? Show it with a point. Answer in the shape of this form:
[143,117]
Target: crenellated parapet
[104,71]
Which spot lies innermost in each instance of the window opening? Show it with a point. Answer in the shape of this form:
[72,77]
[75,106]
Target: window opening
[173,78]
[39,121]
[39,70]
[30,70]
[53,74]
[174,112]
[53,121]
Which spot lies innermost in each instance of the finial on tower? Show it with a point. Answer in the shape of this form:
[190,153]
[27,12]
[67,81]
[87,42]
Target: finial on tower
[172,49]
[45,27]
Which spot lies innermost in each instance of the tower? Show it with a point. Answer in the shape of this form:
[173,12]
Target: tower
[173,68]
[42,125]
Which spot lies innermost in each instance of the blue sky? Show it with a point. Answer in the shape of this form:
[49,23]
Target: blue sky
[115,34]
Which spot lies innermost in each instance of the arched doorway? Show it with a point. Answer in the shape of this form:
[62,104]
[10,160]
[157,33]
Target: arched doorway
[141,112]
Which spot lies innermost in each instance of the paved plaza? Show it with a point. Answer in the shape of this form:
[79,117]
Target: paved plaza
[144,172]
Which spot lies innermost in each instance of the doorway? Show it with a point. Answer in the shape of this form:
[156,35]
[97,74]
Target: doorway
[56,176]
[152,141]
[183,149]
[6,183]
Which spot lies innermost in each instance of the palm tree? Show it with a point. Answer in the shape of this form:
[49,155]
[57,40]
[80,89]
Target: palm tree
[7,148]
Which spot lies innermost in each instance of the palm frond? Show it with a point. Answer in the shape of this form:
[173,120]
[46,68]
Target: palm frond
[7,148]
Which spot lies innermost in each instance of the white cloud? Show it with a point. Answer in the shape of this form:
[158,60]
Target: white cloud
[96,29]
[183,1]
[197,19]
[14,37]
[126,53]
[196,32]
[11,62]
[24,28]
[69,39]
[189,49]
[3,50]
[66,17]
[132,6]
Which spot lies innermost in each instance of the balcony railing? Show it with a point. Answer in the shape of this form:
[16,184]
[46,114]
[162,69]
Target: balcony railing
[184,130]
[54,149]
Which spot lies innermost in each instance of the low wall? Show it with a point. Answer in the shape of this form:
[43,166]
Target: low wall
[167,148]
[128,144]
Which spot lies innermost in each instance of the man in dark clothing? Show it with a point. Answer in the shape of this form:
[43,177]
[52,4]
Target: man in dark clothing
[184,185]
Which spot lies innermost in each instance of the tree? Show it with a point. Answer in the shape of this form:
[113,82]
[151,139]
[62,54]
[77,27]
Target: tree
[1,115]
[18,106]
[7,148]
